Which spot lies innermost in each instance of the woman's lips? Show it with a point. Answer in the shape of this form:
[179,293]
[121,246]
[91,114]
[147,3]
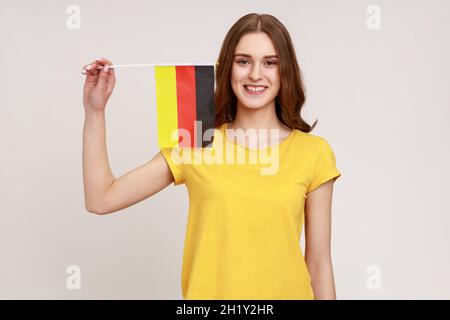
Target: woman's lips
[255,93]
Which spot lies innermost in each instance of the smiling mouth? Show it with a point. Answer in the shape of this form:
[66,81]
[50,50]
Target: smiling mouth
[255,90]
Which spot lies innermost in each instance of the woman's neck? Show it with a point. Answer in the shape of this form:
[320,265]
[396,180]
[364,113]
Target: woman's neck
[261,118]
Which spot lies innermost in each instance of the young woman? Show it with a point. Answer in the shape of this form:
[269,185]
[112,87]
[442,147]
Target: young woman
[244,227]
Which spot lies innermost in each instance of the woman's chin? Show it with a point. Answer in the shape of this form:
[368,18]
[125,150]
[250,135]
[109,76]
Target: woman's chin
[251,104]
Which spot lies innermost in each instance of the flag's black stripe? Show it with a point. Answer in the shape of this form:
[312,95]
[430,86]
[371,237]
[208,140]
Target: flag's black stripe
[204,84]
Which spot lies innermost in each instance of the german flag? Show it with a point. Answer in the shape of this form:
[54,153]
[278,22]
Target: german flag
[184,100]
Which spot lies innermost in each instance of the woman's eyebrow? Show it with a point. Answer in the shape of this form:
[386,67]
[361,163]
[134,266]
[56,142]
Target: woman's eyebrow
[249,56]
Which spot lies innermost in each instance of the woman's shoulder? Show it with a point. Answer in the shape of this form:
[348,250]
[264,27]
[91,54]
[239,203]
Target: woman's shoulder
[307,140]
[307,137]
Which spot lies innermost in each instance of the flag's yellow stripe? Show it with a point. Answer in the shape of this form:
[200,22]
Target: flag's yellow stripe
[166,104]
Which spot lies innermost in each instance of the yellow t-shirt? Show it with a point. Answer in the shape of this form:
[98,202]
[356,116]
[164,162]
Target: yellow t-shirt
[244,226]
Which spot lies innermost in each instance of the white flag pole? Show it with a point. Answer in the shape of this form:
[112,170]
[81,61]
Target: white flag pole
[157,64]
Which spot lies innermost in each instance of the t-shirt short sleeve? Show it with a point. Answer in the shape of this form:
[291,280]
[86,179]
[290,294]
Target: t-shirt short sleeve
[325,168]
[176,167]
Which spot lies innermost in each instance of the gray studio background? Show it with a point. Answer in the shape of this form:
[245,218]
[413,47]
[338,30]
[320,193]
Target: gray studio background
[381,96]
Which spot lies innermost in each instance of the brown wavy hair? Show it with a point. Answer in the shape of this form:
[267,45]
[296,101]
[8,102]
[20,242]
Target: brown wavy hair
[290,98]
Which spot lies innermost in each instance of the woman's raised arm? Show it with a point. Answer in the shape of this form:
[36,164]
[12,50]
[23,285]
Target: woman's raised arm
[103,193]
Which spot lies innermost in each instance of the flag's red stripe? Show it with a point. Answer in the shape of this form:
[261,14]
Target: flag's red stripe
[186,99]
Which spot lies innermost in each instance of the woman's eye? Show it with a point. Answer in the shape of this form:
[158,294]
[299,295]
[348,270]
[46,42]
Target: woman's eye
[270,63]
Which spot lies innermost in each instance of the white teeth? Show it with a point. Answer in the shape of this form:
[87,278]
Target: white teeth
[255,89]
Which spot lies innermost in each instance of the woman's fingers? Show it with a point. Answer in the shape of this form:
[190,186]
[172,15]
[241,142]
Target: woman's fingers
[103,61]
[90,68]
[94,67]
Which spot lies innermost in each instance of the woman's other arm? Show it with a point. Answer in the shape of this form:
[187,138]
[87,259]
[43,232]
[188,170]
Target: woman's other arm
[318,241]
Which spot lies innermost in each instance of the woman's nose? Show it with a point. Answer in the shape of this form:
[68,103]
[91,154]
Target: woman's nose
[255,72]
